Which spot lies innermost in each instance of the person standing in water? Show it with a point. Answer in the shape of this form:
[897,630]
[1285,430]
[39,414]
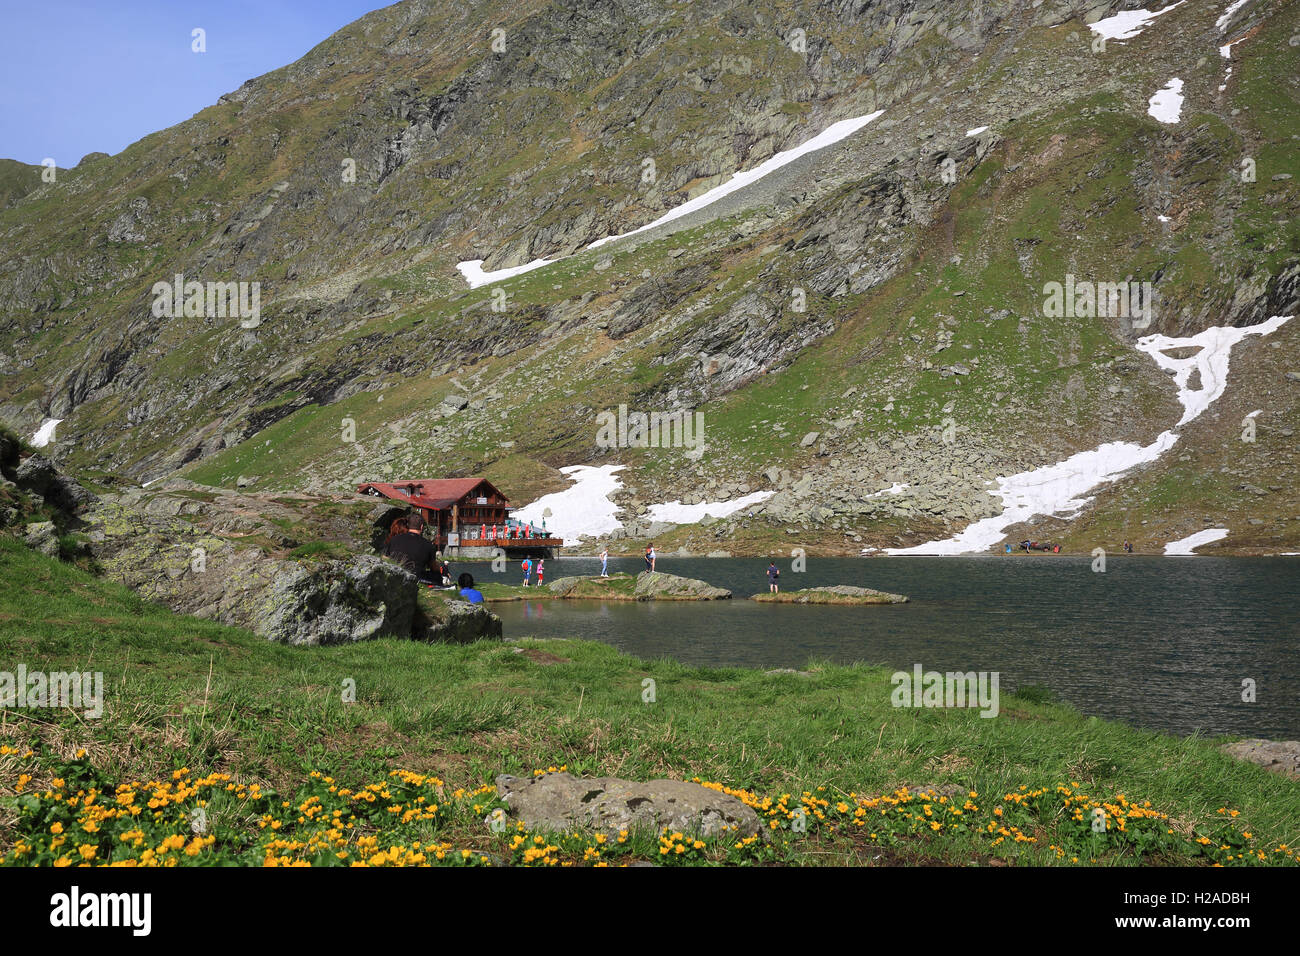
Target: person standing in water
[772,574]
[604,562]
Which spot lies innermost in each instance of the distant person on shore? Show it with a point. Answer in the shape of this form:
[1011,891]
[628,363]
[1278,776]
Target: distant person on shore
[465,583]
[773,572]
[604,562]
[1128,547]
[541,570]
[528,570]
[413,551]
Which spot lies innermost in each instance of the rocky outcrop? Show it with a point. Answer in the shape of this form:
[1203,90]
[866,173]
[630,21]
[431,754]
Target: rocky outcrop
[835,594]
[560,802]
[195,571]
[1279,756]
[336,603]
[41,536]
[455,622]
[658,586]
[37,475]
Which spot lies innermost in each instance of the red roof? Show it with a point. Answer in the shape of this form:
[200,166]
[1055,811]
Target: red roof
[436,493]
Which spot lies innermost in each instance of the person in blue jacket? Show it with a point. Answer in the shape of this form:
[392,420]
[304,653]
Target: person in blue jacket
[467,590]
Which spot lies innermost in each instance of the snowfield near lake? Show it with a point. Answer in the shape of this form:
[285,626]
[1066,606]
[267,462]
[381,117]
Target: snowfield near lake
[472,269]
[584,510]
[1052,489]
[675,512]
[45,434]
[1062,488]
[1129,23]
[1166,104]
[976,131]
[581,510]
[1189,544]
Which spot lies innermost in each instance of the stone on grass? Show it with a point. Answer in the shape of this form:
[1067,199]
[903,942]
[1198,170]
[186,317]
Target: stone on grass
[1279,756]
[561,802]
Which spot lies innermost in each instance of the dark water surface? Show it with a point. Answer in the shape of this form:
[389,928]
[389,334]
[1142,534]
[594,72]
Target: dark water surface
[1157,642]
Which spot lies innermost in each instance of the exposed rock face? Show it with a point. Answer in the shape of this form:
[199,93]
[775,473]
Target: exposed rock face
[560,801]
[456,622]
[37,475]
[337,603]
[1280,756]
[657,586]
[41,536]
[193,571]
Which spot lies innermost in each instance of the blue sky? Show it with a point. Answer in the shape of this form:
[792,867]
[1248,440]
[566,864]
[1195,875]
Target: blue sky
[81,76]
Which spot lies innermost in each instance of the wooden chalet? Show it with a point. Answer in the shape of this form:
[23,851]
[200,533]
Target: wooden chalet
[464,514]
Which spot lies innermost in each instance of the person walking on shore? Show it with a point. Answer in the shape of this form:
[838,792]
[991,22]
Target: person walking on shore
[773,572]
[604,562]
[528,570]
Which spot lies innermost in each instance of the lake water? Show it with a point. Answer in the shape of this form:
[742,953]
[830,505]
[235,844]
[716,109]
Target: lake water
[1157,642]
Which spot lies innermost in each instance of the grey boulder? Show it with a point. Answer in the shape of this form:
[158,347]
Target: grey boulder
[560,801]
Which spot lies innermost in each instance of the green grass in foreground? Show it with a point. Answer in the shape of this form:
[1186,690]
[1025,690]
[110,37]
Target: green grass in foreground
[258,737]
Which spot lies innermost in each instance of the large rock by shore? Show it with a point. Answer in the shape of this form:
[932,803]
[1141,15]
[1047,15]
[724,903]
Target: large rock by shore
[560,802]
[834,594]
[646,586]
[168,560]
[658,586]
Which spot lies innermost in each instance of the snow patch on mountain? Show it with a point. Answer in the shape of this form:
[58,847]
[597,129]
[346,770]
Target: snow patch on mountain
[45,434]
[472,269]
[581,510]
[674,512]
[1063,488]
[1189,544]
[1129,23]
[1166,104]
[1222,22]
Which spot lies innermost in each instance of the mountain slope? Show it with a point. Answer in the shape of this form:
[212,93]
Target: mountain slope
[887,293]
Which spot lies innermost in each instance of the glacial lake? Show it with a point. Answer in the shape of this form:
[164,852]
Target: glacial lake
[1156,642]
